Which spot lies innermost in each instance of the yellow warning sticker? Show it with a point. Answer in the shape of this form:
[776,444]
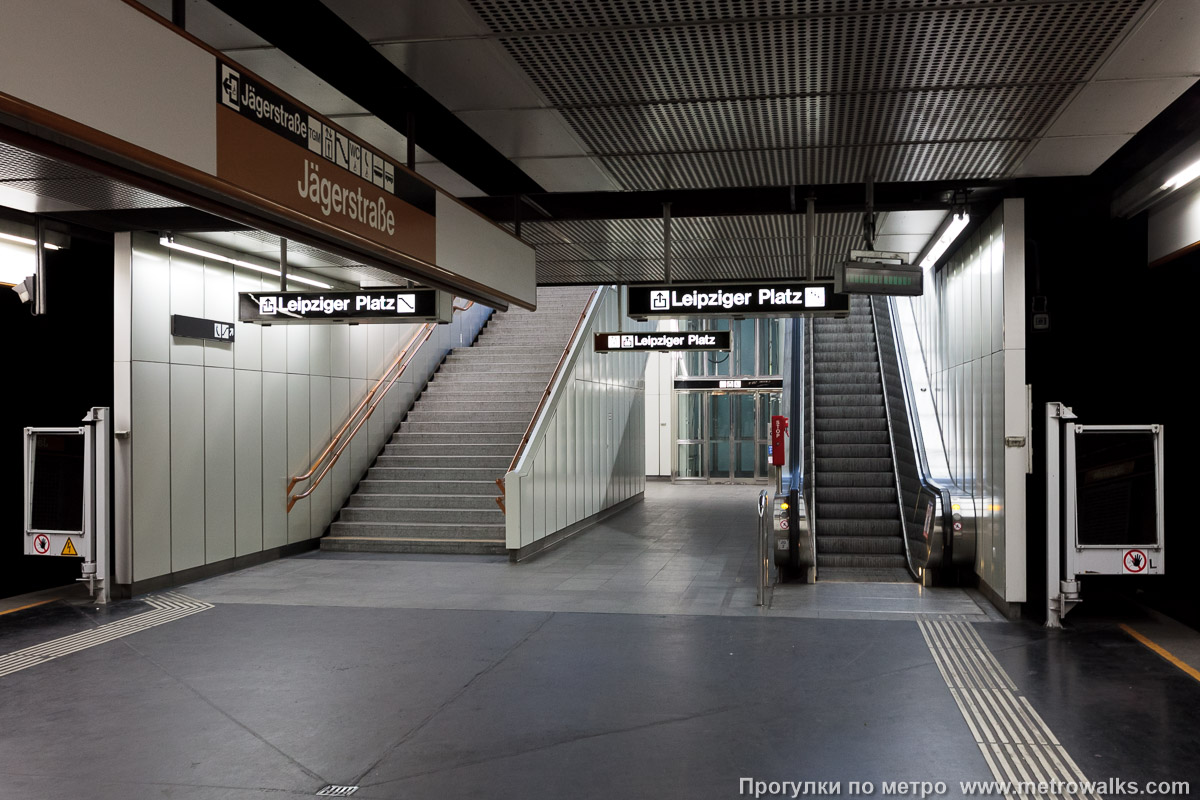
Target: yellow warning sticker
[69,548]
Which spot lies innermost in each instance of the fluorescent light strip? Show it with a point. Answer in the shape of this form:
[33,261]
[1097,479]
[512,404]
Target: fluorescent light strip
[945,240]
[30,242]
[168,242]
[1183,178]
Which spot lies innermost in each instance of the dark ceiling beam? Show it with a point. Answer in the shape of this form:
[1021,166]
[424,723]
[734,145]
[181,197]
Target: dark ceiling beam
[830,198]
[324,44]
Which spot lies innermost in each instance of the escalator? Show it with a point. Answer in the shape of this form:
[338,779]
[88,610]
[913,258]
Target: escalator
[859,535]
[868,485]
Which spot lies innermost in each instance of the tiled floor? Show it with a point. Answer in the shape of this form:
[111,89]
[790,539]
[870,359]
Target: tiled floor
[685,549]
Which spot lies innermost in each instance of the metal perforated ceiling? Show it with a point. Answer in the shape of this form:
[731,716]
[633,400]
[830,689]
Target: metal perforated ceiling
[703,248]
[704,93]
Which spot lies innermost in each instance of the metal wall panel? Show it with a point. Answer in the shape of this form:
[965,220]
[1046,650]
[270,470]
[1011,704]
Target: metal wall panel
[358,350]
[297,348]
[220,497]
[219,305]
[187,466]
[151,468]
[274,458]
[339,410]
[248,461]
[318,349]
[298,448]
[247,346]
[150,294]
[319,434]
[187,297]
[339,351]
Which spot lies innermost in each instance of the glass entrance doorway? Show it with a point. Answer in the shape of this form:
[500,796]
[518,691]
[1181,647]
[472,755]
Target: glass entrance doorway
[722,436]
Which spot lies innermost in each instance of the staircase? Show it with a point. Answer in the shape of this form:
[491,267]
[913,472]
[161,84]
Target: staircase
[859,536]
[432,489]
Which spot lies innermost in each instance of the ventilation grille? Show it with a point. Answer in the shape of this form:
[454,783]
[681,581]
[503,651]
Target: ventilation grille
[703,248]
[45,177]
[700,93]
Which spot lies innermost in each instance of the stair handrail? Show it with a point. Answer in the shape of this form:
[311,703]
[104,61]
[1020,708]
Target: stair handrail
[516,459]
[341,440]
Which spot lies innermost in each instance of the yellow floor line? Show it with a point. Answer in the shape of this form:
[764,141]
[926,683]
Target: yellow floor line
[1162,651]
[31,605]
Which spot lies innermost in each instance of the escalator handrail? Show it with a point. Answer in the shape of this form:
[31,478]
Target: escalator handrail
[887,410]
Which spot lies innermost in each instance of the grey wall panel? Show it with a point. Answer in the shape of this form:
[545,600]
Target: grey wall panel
[151,300]
[339,410]
[358,351]
[297,349]
[320,510]
[319,349]
[247,348]
[218,306]
[298,449]
[248,461]
[187,466]
[220,496]
[360,454]
[187,297]
[274,458]
[151,469]
[339,351]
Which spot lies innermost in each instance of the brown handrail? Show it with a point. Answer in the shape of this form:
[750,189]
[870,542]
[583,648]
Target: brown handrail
[542,402]
[399,365]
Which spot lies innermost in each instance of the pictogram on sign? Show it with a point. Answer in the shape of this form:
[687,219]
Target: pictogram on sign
[1134,561]
[41,544]
[68,548]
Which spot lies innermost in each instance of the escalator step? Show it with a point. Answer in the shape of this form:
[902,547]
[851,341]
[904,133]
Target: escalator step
[852,437]
[859,560]
[845,480]
[860,545]
[847,400]
[853,450]
[875,465]
[851,424]
[852,412]
[857,510]
[866,387]
[855,494]
[857,527]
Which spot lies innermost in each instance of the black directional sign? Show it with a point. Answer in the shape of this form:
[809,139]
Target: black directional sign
[198,328]
[667,341]
[375,305]
[775,299]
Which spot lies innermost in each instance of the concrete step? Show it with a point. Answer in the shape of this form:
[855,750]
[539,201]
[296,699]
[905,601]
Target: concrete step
[463,448]
[445,461]
[435,414]
[436,473]
[485,403]
[394,544]
[453,394]
[424,501]
[471,428]
[423,530]
[455,437]
[428,486]
[513,368]
[460,516]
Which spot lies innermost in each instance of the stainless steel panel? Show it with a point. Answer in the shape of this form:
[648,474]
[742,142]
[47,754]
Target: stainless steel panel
[339,351]
[248,461]
[247,346]
[151,469]
[319,349]
[151,296]
[219,306]
[187,297]
[298,360]
[219,464]
[320,501]
[299,448]
[274,459]
[187,466]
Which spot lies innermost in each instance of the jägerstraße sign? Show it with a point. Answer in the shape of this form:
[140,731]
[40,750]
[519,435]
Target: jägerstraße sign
[668,341]
[375,305]
[777,299]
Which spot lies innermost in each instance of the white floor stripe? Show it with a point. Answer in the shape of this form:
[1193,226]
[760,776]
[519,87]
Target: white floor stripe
[167,607]
[1015,741]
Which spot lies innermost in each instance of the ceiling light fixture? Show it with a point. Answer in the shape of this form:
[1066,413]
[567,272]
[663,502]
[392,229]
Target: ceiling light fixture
[1184,177]
[169,241]
[945,236]
[31,242]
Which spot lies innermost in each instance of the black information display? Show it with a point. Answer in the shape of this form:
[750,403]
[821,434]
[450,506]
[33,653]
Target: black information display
[729,383]
[375,305]
[665,341]
[1117,490]
[887,279]
[198,328]
[777,299]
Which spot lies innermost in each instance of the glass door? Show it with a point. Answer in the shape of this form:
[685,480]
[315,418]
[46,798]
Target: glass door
[721,437]
[719,409]
[744,439]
